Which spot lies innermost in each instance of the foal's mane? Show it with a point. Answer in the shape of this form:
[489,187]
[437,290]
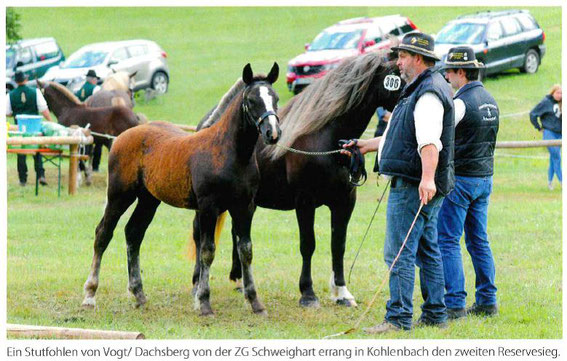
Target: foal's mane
[65,92]
[226,100]
[326,99]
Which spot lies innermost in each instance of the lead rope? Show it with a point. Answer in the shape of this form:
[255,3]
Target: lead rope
[361,318]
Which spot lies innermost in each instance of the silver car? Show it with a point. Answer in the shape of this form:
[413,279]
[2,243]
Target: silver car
[143,57]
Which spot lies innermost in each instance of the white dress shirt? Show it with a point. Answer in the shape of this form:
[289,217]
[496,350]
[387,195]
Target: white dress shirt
[40,100]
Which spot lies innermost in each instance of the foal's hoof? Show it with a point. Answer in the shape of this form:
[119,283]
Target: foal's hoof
[263,313]
[207,313]
[89,302]
[238,286]
[309,302]
[346,302]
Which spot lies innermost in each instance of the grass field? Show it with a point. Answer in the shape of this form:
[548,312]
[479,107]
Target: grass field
[50,239]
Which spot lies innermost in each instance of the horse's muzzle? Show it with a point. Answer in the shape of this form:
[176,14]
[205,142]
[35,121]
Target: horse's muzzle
[270,129]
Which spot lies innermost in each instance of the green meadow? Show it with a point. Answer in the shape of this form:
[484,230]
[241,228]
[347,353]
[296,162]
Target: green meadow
[50,239]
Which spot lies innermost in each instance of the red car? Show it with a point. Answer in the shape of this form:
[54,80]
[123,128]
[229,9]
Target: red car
[346,38]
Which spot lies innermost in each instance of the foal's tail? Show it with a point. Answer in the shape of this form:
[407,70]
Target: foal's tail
[218,229]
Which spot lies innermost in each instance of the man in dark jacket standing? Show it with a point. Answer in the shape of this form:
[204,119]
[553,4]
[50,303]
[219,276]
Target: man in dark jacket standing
[90,87]
[26,100]
[548,111]
[476,127]
[416,151]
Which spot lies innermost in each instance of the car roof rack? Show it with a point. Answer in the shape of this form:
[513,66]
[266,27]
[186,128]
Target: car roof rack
[491,14]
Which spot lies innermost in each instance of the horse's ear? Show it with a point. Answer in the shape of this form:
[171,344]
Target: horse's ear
[247,74]
[273,75]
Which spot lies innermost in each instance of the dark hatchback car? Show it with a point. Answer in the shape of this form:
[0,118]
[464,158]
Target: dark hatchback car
[34,56]
[501,40]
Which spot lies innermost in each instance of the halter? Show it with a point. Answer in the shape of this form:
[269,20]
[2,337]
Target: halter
[246,111]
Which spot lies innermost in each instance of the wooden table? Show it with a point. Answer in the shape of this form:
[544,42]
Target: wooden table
[72,141]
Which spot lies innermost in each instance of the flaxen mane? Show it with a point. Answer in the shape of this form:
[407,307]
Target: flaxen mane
[65,92]
[326,99]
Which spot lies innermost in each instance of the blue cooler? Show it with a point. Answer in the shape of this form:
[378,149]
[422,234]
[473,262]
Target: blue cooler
[29,124]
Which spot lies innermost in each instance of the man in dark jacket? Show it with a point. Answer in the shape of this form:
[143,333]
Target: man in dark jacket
[416,151]
[476,127]
[29,101]
[90,87]
[548,111]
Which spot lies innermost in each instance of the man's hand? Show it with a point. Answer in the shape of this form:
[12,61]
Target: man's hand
[429,160]
[364,145]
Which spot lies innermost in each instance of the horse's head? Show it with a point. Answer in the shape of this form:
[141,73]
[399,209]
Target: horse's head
[260,103]
[389,83]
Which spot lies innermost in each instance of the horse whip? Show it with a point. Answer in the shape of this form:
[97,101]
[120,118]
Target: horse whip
[357,324]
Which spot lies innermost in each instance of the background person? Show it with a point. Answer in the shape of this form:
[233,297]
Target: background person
[90,87]
[416,150]
[26,100]
[466,207]
[546,116]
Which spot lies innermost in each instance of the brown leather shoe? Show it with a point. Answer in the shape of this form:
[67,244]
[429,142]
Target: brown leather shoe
[384,327]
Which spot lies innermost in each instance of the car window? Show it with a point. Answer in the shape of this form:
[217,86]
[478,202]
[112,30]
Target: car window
[336,40]
[26,56]
[461,33]
[46,51]
[494,31]
[120,54]
[510,26]
[10,58]
[86,58]
[527,22]
[137,50]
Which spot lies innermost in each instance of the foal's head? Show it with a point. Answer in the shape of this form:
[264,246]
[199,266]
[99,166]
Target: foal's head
[260,103]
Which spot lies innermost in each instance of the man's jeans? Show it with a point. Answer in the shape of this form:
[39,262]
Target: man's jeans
[554,156]
[467,207]
[421,249]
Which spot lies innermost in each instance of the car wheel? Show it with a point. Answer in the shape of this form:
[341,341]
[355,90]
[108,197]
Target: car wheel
[531,63]
[160,82]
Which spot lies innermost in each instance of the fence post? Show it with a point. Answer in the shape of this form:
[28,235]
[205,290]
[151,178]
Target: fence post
[73,166]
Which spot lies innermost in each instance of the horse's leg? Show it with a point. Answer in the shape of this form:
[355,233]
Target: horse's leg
[236,270]
[340,216]
[135,231]
[207,222]
[87,168]
[197,240]
[242,222]
[116,205]
[305,212]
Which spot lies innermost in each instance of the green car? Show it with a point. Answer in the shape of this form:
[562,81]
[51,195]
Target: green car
[34,57]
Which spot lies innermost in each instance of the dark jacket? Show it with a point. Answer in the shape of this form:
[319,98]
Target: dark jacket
[399,153]
[475,135]
[549,114]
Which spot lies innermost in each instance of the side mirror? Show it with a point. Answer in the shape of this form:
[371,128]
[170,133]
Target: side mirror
[368,43]
[112,62]
[307,46]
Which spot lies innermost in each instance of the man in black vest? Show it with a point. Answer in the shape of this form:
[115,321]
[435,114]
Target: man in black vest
[416,151]
[476,127]
[25,100]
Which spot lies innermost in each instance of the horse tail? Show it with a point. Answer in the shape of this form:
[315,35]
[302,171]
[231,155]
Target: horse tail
[218,230]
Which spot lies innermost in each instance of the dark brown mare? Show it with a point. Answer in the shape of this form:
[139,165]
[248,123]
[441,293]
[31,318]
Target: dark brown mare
[70,111]
[338,106]
[210,171]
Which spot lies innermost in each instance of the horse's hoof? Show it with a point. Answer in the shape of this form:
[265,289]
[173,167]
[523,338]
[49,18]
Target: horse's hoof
[263,313]
[346,302]
[207,313]
[238,286]
[89,302]
[309,302]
